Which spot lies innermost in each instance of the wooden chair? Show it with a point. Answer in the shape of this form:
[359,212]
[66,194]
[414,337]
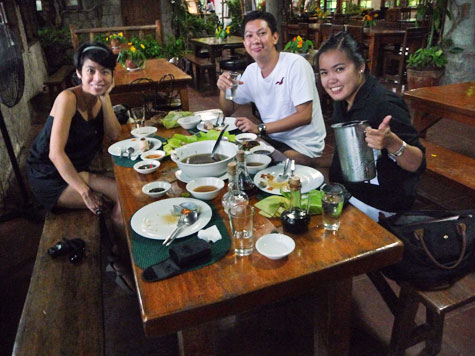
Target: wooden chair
[414,38]
[405,332]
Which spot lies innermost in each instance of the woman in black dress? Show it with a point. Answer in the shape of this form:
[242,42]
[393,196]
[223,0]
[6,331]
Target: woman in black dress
[60,156]
[358,96]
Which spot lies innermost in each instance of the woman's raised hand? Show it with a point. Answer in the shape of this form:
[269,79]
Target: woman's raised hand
[382,137]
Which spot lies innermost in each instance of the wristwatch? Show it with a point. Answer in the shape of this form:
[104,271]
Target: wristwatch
[262,129]
[399,152]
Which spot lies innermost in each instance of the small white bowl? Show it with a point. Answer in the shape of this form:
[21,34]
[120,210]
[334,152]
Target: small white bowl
[257,162]
[275,246]
[150,164]
[204,182]
[145,131]
[146,189]
[189,122]
[153,155]
[263,150]
[248,136]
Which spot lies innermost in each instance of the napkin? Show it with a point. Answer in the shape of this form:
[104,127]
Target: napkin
[210,234]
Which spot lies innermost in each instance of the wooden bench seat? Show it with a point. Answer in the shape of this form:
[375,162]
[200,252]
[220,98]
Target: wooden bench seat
[59,80]
[200,66]
[63,310]
[449,164]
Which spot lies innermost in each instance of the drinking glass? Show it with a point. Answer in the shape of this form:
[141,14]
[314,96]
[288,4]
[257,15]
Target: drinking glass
[138,115]
[230,92]
[332,205]
[242,223]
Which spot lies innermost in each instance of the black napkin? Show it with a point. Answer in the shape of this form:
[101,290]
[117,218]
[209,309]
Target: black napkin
[183,257]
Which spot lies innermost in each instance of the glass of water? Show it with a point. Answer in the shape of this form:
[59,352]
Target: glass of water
[332,205]
[242,223]
[230,92]
[138,115]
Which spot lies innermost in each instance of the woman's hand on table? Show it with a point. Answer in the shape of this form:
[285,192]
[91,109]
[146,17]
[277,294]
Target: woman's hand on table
[246,125]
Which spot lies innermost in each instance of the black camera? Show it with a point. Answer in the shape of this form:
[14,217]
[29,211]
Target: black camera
[76,249]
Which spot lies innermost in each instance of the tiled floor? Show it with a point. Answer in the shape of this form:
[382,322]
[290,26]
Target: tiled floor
[280,329]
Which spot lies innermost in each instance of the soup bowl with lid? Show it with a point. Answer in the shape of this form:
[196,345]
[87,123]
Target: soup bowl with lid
[194,158]
[205,188]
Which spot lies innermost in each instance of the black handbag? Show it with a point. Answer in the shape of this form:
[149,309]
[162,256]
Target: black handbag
[438,247]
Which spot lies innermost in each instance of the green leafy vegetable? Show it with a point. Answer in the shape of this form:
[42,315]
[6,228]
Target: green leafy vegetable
[171,120]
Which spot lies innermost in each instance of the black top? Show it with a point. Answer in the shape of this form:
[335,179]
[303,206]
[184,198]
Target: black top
[84,141]
[397,187]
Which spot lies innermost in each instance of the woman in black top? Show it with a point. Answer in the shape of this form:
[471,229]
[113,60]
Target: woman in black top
[60,156]
[358,96]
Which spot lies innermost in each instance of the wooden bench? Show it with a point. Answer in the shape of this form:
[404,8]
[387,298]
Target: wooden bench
[59,80]
[449,164]
[63,311]
[405,332]
[126,30]
[200,66]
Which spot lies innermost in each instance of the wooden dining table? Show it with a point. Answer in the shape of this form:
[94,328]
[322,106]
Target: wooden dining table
[155,69]
[321,267]
[215,45]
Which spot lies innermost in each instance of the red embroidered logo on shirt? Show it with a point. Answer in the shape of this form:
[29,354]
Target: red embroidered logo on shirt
[281,81]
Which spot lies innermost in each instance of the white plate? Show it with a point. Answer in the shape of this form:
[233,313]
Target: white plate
[156,220]
[211,114]
[275,246]
[227,120]
[310,178]
[182,177]
[145,131]
[115,148]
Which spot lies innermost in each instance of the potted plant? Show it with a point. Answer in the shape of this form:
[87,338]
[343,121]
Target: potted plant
[299,46]
[132,58]
[115,39]
[425,67]
[369,20]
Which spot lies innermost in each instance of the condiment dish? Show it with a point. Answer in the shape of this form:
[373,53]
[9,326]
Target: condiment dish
[275,246]
[145,131]
[248,136]
[156,189]
[189,122]
[205,188]
[153,154]
[262,149]
[257,162]
[147,166]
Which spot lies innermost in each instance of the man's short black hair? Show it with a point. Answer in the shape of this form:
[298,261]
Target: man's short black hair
[260,15]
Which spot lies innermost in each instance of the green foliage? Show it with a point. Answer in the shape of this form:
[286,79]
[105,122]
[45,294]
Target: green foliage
[298,45]
[352,9]
[51,36]
[234,8]
[101,37]
[134,54]
[173,47]
[425,58]
[149,45]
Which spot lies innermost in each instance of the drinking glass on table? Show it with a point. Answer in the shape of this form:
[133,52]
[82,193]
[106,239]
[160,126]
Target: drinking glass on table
[242,223]
[332,205]
[230,92]
[138,114]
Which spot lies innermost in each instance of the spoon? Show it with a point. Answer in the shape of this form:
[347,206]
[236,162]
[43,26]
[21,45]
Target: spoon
[283,176]
[185,219]
[215,147]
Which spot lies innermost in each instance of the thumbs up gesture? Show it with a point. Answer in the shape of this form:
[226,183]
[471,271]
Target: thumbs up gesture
[381,137]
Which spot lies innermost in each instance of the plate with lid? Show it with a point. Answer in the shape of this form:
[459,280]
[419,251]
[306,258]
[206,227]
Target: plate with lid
[266,179]
[157,220]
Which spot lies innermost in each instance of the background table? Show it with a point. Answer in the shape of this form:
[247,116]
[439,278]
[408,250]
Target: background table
[215,45]
[378,37]
[154,69]
[322,265]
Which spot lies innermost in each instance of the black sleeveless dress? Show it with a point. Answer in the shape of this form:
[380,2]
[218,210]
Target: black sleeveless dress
[84,141]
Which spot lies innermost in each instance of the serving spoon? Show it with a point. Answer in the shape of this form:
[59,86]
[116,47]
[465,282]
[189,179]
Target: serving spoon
[186,219]
[215,147]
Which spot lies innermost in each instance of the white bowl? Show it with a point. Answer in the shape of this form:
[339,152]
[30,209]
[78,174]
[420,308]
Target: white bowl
[256,162]
[152,166]
[189,122]
[248,136]
[262,149]
[145,131]
[204,182]
[275,246]
[214,169]
[153,154]
[146,189]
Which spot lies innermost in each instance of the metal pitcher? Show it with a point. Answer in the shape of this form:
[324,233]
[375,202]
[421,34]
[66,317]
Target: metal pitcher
[356,157]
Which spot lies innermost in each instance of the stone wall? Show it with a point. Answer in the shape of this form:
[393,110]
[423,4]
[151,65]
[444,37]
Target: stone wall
[105,13]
